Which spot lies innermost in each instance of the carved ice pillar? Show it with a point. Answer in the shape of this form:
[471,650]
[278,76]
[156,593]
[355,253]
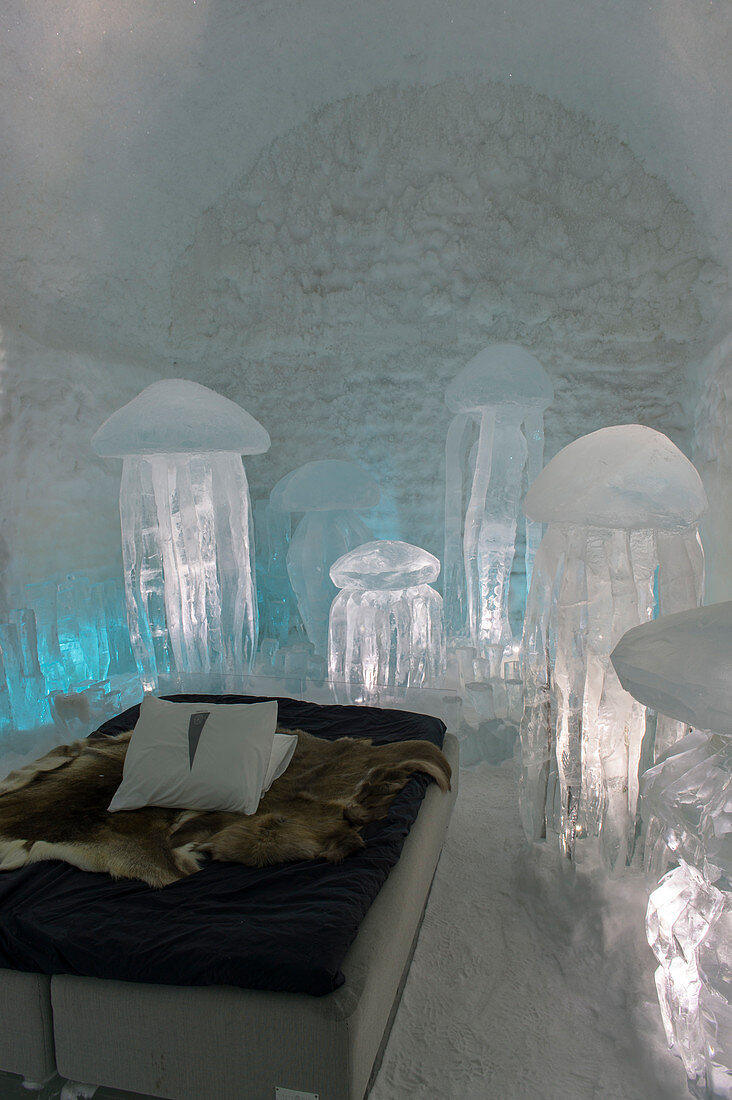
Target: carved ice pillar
[187,542]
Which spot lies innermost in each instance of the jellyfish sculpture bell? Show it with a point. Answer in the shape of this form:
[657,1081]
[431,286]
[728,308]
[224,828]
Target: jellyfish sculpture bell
[622,545]
[495,444]
[187,546]
[385,629]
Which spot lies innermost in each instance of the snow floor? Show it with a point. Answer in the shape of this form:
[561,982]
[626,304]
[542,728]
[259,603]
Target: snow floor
[526,984]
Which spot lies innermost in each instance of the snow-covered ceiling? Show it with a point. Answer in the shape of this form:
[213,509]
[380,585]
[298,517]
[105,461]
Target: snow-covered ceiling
[123,122]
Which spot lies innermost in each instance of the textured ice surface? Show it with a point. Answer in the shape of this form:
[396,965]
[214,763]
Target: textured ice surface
[581,733]
[385,627]
[681,665]
[186,543]
[495,446]
[624,476]
[687,801]
[687,805]
[179,417]
[330,492]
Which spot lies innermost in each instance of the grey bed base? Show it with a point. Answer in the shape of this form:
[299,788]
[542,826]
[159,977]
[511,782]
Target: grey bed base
[224,1043]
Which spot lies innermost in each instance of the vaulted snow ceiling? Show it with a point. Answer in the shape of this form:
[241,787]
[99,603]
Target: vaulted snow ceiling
[357,195]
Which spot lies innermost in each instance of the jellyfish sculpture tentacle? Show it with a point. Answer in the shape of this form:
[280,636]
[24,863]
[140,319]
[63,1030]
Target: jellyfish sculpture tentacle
[187,543]
[622,506]
[500,396]
[330,493]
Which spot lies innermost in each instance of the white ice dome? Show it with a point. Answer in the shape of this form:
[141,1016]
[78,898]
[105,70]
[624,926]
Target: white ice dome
[628,476]
[502,374]
[681,665]
[327,484]
[383,564]
[176,416]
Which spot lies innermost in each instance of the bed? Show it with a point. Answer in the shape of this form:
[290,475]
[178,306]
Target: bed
[220,1026]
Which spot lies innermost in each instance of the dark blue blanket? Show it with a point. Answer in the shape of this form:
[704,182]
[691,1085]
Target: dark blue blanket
[286,927]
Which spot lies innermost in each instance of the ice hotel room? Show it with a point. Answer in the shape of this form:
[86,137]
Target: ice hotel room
[365,512]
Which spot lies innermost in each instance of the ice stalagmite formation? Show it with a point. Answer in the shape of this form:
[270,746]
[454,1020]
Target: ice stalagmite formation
[186,529]
[681,664]
[495,446]
[330,492]
[385,627]
[622,544]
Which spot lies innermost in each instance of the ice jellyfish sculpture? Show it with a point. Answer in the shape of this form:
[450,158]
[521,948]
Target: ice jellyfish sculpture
[330,492]
[495,447]
[681,664]
[622,545]
[385,628]
[186,541]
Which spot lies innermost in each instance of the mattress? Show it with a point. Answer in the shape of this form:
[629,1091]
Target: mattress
[286,928]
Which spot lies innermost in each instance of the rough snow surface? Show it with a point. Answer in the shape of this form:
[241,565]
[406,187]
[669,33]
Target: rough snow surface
[335,288]
[525,983]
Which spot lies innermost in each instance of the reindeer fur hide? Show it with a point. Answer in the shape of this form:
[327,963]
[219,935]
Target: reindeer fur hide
[56,808]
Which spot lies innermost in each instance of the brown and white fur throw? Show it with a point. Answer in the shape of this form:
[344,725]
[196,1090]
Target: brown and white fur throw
[56,808]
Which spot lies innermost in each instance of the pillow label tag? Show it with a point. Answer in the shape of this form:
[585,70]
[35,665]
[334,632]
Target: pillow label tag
[294,1094]
[195,729]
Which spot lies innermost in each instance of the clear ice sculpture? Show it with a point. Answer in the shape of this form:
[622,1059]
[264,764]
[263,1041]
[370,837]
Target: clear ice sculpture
[495,447]
[622,545]
[330,492]
[186,528]
[385,629]
[681,663]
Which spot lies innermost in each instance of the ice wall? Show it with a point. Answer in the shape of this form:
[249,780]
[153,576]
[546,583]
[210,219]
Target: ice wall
[155,161]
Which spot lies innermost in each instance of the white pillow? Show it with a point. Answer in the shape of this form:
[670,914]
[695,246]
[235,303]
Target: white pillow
[283,747]
[198,756]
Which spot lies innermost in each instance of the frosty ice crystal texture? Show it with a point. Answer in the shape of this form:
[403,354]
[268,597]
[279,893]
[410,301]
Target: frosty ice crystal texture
[330,492]
[682,665]
[687,799]
[186,538]
[385,629]
[622,544]
[494,444]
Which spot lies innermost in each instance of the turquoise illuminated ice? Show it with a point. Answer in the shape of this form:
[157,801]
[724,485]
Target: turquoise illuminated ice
[330,492]
[385,628]
[187,546]
[495,444]
[621,546]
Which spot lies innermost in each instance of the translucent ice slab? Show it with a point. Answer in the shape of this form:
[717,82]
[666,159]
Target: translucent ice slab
[681,665]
